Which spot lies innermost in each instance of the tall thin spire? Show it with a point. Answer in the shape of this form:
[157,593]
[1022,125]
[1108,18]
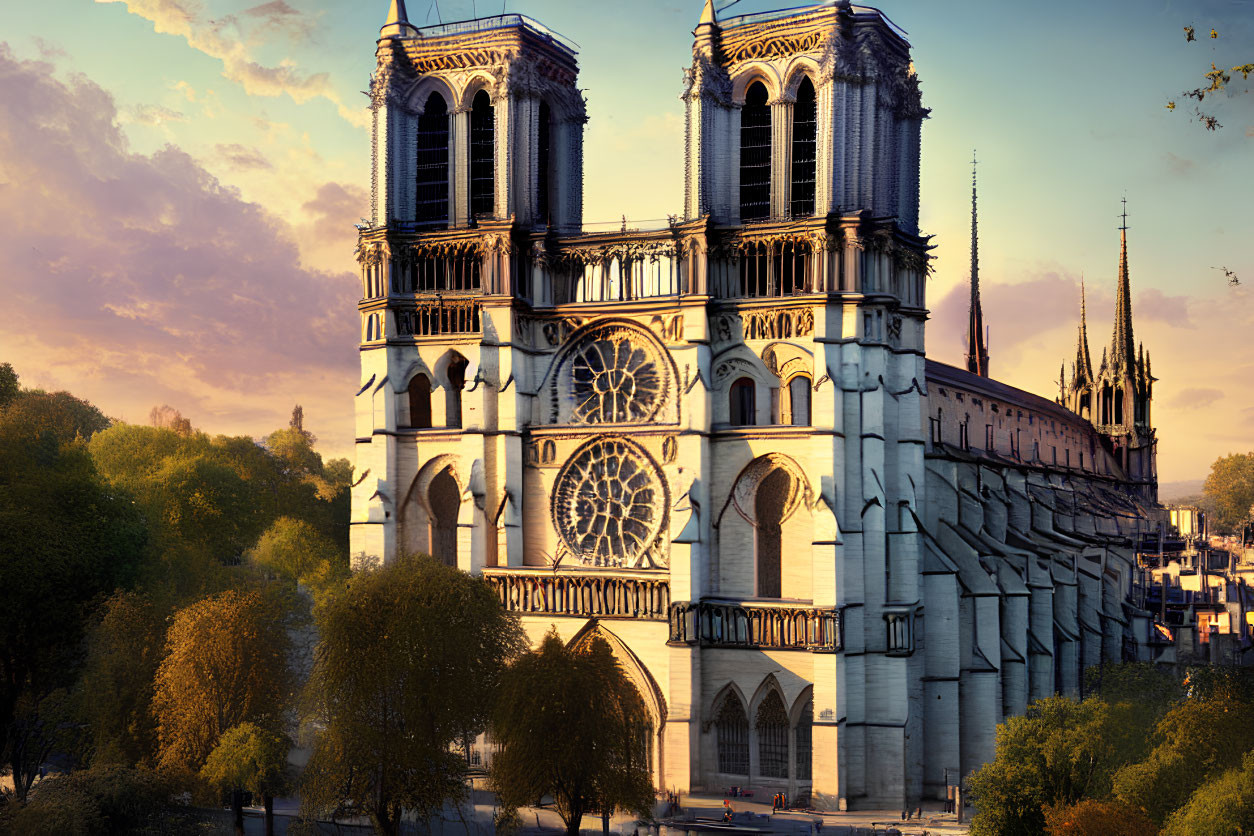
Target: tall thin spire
[397,24]
[977,352]
[1123,347]
[1083,362]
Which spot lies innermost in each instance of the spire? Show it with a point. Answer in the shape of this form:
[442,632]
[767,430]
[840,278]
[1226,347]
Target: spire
[1123,347]
[1083,362]
[708,15]
[707,43]
[977,352]
[397,25]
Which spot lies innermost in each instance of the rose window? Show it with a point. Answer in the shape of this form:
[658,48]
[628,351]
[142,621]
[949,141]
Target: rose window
[615,381]
[609,503]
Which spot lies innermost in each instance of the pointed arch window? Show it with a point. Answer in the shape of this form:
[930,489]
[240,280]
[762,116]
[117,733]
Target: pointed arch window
[420,402]
[456,382]
[755,154]
[772,728]
[797,411]
[731,730]
[770,502]
[804,737]
[482,155]
[742,407]
[805,149]
[444,499]
[431,208]
[543,132]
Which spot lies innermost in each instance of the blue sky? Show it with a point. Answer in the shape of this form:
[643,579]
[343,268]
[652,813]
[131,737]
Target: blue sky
[202,256]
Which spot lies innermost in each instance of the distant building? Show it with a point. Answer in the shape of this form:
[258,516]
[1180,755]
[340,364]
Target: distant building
[830,565]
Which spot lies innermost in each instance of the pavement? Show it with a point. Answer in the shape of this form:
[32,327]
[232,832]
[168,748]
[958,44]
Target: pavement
[700,813]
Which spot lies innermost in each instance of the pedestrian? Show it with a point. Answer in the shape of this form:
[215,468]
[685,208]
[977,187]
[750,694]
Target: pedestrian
[918,813]
[903,815]
[727,811]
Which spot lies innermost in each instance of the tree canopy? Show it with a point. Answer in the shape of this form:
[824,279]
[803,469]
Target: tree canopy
[1230,486]
[227,662]
[572,727]
[408,662]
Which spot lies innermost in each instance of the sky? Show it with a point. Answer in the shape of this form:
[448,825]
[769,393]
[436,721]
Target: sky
[179,181]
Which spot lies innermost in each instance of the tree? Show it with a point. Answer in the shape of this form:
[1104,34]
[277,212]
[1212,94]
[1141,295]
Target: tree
[9,387]
[1224,804]
[294,549]
[1202,736]
[1230,486]
[249,757]
[408,662]
[1097,818]
[68,539]
[124,648]
[111,799]
[226,662]
[167,417]
[56,415]
[1059,753]
[571,726]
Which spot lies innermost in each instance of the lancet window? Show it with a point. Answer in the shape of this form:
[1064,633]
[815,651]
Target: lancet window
[742,409]
[772,728]
[431,208]
[795,402]
[543,180]
[456,382]
[755,154]
[419,402]
[731,728]
[804,149]
[774,269]
[771,502]
[444,500]
[804,736]
[482,154]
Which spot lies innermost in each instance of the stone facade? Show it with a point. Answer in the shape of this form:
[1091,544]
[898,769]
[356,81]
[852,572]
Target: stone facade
[719,444]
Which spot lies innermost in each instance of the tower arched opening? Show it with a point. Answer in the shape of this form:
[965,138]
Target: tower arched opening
[805,149]
[431,203]
[755,154]
[482,156]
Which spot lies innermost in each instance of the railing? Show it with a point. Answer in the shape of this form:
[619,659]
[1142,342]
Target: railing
[580,593]
[750,626]
[439,317]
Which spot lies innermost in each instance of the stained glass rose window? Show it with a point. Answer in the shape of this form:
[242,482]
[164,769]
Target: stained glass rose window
[616,380]
[609,503]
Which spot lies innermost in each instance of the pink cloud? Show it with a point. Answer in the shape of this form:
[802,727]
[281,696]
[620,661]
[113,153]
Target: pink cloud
[146,272]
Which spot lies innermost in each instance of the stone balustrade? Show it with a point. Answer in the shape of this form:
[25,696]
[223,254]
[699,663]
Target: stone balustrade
[544,592]
[755,626]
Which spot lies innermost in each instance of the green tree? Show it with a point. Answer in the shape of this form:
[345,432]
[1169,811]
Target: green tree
[110,799]
[1222,805]
[58,415]
[252,758]
[1058,753]
[68,539]
[296,550]
[227,661]
[9,387]
[408,662]
[124,648]
[1200,737]
[571,726]
[1230,486]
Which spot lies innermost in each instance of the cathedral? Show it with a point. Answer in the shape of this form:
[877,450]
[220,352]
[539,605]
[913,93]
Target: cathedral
[829,565]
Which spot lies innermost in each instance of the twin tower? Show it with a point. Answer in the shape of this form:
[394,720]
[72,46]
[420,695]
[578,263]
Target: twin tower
[703,442]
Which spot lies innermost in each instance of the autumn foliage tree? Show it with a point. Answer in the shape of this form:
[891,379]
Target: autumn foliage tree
[226,662]
[1091,817]
[572,727]
[408,663]
[253,758]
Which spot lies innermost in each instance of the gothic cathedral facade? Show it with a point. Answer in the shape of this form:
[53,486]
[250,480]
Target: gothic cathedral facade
[708,443]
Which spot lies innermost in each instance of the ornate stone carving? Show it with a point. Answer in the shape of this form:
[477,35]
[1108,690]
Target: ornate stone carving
[772,44]
[444,316]
[714,624]
[765,324]
[706,78]
[609,505]
[581,593]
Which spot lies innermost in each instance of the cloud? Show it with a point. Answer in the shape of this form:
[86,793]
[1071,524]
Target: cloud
[229,40]
[142,279]
[152,115]
[1179,165]
[1155,305]
[1195,398]
[242,157]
